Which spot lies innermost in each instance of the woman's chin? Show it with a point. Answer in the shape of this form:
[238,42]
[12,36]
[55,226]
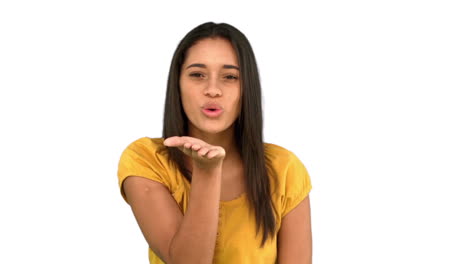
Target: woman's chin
[213,129]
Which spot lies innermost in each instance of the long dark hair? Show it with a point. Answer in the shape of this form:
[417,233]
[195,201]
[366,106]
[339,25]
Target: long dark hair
[248,125]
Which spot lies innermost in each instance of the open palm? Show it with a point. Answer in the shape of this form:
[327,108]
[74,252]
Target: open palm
[203,154]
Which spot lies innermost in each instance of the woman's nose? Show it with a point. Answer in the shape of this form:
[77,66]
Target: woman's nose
[212,88]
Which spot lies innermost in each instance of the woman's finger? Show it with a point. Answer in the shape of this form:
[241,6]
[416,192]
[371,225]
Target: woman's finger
[196,147]
[181,141]
[172,142]
[202,152]
[193,140]
[213,153]
[187,145]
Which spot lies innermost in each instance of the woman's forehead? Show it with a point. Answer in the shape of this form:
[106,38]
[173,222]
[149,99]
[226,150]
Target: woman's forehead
[212,53]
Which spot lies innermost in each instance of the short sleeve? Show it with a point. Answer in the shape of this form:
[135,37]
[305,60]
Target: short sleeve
[297,185]
[140,159]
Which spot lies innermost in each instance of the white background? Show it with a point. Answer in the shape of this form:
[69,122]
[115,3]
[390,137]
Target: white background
[370,95]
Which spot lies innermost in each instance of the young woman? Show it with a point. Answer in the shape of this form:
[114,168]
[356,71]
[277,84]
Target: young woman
[210,190]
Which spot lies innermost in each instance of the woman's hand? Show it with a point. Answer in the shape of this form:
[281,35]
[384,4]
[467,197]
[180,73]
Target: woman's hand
[204,155]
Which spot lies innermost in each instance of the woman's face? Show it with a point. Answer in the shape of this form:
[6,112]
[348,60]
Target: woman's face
[210,85]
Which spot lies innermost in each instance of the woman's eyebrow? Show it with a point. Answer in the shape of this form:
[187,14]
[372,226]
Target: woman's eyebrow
[225,66]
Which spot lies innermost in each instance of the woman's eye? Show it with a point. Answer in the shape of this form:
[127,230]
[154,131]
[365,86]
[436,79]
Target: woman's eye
[231,77]
[196,75]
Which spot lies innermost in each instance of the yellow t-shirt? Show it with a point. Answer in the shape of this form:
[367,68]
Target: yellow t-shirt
[236,241]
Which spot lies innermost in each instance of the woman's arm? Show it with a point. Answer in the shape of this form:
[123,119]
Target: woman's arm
[295,236]
[176,238]
[196,238]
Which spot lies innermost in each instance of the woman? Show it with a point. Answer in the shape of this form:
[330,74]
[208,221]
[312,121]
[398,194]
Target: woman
[210,190]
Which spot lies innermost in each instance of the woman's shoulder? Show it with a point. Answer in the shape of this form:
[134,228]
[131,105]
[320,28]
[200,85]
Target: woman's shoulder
[147,157]
[293,180]
[288,168]
[153,150]
[148,143]
[279,156]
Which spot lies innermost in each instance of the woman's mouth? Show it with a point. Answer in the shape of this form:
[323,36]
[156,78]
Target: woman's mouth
[212,112]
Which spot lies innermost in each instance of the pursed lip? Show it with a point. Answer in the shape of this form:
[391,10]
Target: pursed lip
[212,105]
[212,110]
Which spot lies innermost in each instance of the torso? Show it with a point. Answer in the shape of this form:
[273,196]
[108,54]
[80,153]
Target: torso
[233,182]
[233,179]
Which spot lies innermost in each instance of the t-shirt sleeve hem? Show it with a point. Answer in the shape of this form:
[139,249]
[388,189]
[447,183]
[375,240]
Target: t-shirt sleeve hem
[121,180]
[298,199]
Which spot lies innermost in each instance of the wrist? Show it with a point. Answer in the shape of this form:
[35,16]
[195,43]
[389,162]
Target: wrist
[208,169]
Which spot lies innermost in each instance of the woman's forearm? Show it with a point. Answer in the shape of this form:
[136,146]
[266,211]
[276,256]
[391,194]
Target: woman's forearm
[195,240]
